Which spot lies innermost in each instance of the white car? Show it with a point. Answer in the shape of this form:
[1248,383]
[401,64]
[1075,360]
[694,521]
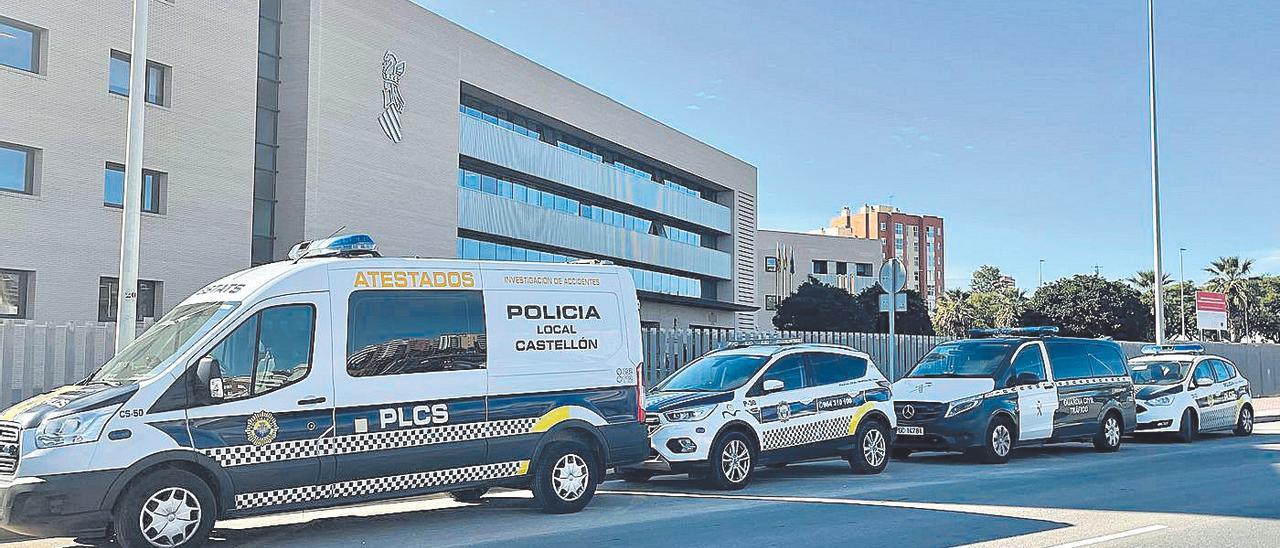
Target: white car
[1182,390]
[767,403]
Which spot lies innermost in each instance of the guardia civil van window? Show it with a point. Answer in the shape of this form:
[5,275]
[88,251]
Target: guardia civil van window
[269,350]
[402,332]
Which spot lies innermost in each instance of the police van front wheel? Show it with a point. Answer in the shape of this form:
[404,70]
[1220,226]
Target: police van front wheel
[731,463]
[566,477]
[870,449]
[165,509]
[998,443]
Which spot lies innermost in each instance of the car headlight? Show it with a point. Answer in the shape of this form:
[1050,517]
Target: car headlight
[83,427]
[960,406]
[689,415]
[1162,400]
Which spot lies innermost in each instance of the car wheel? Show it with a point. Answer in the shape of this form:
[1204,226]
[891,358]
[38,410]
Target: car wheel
[998,444]
[1110,430]
[870,448]
[901,454]
[565,479]
[1189,428]
[733,457]
[1244,425]
[469,496]
[636,476]
[165,509]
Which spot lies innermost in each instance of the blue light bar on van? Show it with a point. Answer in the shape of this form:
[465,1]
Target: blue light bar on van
[350,244]
[1014,331]
[1187,348]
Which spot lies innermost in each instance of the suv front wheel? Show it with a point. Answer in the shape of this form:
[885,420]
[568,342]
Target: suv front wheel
[732,460]
[870,448]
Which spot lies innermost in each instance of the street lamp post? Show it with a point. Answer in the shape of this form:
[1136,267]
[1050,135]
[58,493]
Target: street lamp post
[130,227]
[1041,284]
[1182,290]
[1155,173]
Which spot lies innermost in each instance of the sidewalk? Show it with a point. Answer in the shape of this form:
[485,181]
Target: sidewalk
[1266,409]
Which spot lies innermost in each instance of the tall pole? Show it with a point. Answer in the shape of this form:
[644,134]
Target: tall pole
[893,331]
[1041,274]
[1182,290]
[1155,173]
[127,301]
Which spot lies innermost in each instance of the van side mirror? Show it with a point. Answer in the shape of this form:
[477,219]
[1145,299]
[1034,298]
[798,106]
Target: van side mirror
[208,379]
[1204,381]
[773,385]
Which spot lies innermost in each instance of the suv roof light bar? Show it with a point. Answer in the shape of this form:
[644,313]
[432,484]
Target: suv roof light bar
[1039,331]
[745,342]
[1185,348]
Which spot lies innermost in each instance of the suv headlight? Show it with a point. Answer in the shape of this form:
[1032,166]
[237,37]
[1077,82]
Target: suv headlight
[83,427]
[1160,401]
[689,415]
[961,405]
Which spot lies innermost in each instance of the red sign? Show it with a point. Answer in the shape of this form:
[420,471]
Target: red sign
[1211,302]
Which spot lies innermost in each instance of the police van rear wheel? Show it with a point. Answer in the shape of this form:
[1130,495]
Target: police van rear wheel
[733,458]
[469,496]
[566,478]
[870,449]
[998,444]
[1189,428]
[1244,425]
[165,509]
[1110,430]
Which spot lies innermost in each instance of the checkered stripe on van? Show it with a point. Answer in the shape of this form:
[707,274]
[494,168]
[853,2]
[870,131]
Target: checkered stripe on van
[800,434]
[1097,380]
[239,455]
[386,484]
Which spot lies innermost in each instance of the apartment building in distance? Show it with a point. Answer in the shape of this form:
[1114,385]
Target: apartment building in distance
[785,260]
[915,239]
[269,122]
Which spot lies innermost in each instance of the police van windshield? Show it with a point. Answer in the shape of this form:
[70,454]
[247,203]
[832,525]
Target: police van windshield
[149,354]
[1163,372]
[963,359]
[713,373]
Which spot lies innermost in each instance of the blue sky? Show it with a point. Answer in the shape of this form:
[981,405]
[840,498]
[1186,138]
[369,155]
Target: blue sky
[1023,124]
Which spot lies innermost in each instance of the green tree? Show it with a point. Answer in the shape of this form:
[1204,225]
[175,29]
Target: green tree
[869,319]
[1144,282]
[1230,276]
[1000,308]
[987,279]
[816,306]
[953,316]
[1089,306]
[1265,319]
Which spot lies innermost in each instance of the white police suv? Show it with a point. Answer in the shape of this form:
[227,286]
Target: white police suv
[333,379]
[1183,391]
[767,403]
[1005,388]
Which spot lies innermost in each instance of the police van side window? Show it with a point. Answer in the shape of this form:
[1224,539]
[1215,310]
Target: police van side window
[1070,361]
[1028,365]
[1109,361]
[1220,372]
[827,368]
[403,332]
[270,350]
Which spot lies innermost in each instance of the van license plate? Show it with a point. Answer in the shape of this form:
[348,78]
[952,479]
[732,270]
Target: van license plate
[911,430]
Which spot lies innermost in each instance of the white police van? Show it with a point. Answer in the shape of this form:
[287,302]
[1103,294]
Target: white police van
[1006,388]
[1183,391]
[767,402]
[331,380]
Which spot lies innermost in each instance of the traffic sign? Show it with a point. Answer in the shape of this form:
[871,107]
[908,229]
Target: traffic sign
[893,276]
[901,302]
[1211,310]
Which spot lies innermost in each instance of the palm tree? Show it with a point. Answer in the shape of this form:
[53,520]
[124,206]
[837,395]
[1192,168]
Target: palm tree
[1145,280]
[1230,276]
[953,315]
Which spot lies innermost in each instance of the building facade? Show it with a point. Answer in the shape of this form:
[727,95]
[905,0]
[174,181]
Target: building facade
[381,118]
[915,239]
[785,260]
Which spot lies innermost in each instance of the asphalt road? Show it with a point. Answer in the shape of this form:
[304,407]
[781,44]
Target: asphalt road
[1222,490]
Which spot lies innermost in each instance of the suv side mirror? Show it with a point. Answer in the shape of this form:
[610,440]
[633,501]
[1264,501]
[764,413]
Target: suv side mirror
[208,379]
[773,385]
[1204,381]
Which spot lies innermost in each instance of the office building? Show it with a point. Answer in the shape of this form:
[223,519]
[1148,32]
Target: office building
[788,259]
[915,239]
[273,122]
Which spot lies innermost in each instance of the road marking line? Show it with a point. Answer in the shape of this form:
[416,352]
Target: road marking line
[1113,536]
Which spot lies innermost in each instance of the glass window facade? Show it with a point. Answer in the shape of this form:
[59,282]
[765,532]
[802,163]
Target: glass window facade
[645,280]
[113,188]
[109,293]
[17,168]
[19,45]
[864,269]
[580,152]
[506,124]
[157,78]
[13,293]
[262,248]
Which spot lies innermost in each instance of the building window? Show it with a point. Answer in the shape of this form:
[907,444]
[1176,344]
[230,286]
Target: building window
[864,269]
[770,302]
[13,293]
[819,267]
[20,45]
[17,168]
[109,293]
[897,228]
[266,147]
[404,332]
[842,268]
[770,264]
[645,280]
[152,185]
[157,79]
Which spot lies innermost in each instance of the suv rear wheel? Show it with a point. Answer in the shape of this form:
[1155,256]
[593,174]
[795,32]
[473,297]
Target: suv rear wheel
[165,509]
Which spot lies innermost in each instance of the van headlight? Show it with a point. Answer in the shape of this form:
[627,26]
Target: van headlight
[962,405]
[691,414]
[83,427]
[1160,401]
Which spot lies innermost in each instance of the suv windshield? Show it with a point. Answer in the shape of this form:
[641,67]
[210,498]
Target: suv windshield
[147,355]
[713,373]
[964,359]
[1163,372]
